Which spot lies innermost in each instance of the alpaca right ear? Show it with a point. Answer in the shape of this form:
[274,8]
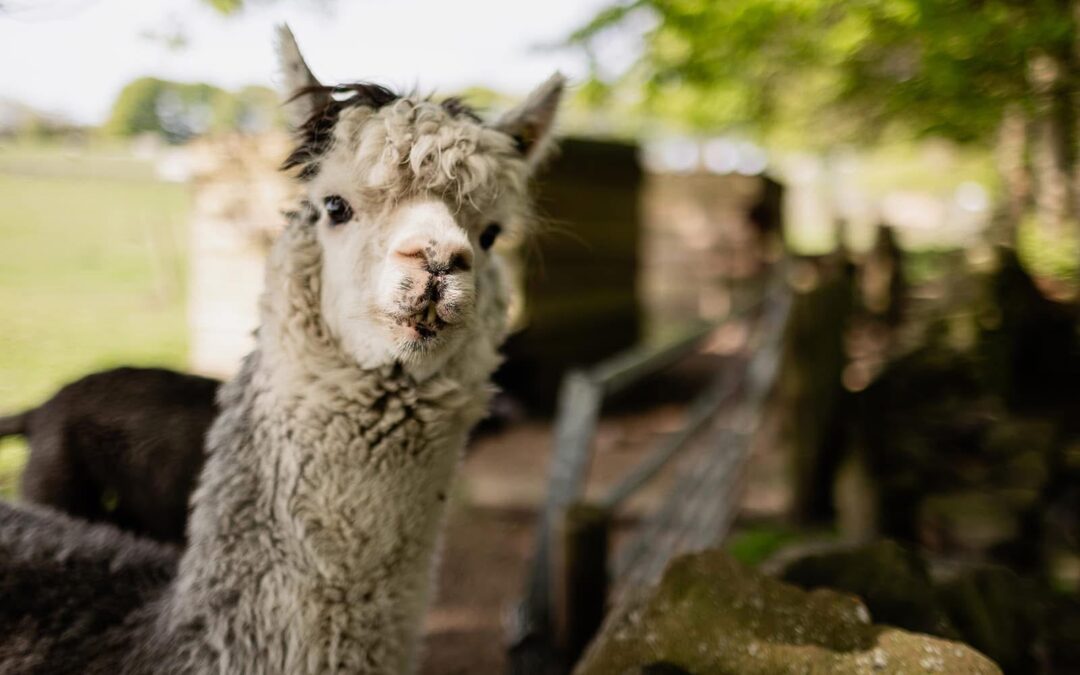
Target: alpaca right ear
[300,88]
[531,123]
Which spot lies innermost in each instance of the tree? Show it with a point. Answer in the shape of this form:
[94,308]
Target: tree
[993,72]
[251,109]
[174,110]
[179,110]
[230,7]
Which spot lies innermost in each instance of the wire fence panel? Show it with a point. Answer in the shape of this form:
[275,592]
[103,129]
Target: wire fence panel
[703,502]
[714,443]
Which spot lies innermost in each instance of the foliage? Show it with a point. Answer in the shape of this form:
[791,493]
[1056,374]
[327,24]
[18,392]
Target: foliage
[944,67]
[178,111]
[250,110]
[231,7]
[226,6]
[1049,255]
[174,110]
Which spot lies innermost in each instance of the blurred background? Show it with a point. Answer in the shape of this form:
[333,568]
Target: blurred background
[907,170]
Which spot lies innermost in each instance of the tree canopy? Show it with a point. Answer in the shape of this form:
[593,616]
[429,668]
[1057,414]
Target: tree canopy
[178,110]
[998,73]
[943,67]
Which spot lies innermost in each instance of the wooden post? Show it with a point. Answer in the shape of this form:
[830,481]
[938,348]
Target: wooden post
[580,578]
[812,390]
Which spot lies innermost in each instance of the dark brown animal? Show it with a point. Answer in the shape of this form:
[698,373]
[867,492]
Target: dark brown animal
[122,446]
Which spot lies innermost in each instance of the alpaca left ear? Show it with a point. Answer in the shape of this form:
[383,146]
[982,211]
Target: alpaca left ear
[302,92]
[531,123]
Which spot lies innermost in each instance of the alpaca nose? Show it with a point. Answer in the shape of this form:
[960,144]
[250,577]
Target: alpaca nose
[434,256]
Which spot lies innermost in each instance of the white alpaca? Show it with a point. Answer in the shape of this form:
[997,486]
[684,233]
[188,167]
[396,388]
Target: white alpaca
[314,525]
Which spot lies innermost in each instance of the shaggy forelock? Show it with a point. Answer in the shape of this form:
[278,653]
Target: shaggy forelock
[401,145]
[317,132]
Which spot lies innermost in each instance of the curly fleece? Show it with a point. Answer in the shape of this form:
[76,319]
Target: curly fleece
[313,529]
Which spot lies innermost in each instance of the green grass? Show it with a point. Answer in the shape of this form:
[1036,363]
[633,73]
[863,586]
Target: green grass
[92,273]
[753,545]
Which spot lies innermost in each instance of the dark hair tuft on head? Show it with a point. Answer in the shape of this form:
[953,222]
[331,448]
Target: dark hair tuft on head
[317,132]
[458,108]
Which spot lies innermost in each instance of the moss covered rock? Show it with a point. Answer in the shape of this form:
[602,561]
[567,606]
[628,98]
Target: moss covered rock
[710,614]
[891,580]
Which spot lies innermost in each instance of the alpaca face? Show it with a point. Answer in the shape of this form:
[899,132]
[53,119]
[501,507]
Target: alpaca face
[411,196]
[407,279]
[411,200]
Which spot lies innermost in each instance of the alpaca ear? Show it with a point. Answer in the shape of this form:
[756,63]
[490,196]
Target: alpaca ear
[298,83]
[531,123]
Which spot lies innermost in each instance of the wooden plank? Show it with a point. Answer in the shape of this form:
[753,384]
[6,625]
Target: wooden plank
[579,409]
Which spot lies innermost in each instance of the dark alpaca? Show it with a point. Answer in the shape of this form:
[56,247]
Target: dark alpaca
[122,446]
[118,573]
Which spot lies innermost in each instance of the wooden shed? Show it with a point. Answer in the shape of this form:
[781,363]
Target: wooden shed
[581,271]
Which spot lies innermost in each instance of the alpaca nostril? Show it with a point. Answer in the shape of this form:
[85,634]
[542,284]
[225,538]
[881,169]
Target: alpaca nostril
[412,252]
[461,261]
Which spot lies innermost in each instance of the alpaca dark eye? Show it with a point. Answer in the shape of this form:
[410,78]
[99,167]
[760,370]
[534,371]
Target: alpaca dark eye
[337,209]
[489,235]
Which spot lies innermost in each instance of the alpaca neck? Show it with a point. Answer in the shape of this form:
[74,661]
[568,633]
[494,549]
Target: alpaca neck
[313,530]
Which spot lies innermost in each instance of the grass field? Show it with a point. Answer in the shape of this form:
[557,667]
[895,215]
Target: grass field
[92,272]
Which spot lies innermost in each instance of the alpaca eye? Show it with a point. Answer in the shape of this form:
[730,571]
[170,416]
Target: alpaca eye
[489,235]
[338,209]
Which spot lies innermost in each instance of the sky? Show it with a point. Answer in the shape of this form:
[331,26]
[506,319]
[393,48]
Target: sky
[73,56]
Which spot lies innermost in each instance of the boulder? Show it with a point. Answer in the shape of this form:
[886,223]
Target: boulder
[986,606]
[710,614]
[892,581]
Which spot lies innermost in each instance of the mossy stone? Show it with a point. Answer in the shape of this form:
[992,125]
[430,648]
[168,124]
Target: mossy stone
[712,615]
[891,580]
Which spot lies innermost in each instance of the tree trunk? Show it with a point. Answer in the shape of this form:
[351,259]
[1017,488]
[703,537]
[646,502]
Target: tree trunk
[1051,144]
[1012,166]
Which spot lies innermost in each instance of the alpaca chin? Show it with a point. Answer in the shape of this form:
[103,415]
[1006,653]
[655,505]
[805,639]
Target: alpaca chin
[424,350]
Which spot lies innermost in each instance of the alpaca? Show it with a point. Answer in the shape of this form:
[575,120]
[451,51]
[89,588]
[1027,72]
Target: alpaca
[122,446]
[313,527]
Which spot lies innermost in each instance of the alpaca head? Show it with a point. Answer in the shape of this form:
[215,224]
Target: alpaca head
[410,195]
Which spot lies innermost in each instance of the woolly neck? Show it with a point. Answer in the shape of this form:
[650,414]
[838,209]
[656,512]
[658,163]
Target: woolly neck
[314,525]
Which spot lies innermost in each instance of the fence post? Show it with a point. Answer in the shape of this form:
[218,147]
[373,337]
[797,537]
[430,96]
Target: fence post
[580,577]
[812,392]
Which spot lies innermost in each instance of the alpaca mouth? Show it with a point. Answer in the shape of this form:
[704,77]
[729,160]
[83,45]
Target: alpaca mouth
[425,332]
[423,327]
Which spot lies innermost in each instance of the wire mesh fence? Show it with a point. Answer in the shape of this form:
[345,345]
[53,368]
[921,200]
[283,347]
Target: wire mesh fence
[571,580]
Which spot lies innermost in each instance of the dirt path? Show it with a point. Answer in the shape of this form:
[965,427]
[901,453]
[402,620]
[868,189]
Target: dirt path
[490,531]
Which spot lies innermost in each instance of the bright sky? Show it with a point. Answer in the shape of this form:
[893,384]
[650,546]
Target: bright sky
[73,56]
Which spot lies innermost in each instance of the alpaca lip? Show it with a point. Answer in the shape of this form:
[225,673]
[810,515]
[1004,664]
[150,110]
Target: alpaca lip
[420,329]
[425,324]
[421,336]
[425,331]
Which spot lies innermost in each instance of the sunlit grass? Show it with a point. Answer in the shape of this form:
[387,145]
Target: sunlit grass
[753,545]
[92,273]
